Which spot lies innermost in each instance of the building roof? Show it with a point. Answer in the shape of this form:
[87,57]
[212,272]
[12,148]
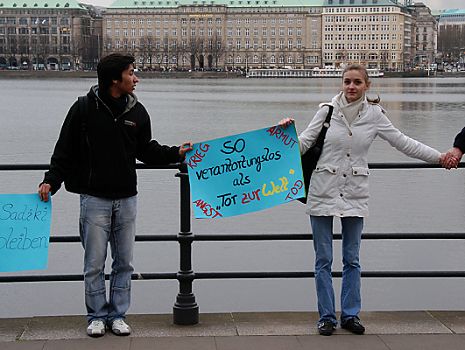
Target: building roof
[339,3]
[229,3]
[451,12]
[41,4]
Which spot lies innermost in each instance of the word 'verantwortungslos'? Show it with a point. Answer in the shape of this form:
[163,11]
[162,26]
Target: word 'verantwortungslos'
[242,163]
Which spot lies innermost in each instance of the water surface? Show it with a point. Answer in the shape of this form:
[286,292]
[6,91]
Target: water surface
[428,200]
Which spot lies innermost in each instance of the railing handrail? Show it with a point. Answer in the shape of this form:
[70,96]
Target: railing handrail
[393,165]
[25,166]
[276,237]
[186,310]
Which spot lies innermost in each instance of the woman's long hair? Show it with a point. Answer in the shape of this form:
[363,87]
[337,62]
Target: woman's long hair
[364,73]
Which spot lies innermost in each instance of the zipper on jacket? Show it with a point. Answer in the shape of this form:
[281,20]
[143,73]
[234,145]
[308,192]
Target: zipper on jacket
[90,160]
[89,151]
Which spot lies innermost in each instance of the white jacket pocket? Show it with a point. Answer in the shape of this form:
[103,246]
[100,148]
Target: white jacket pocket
[358,183]
[324,181]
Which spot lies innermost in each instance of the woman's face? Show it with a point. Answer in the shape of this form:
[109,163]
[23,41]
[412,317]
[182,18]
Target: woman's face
[354,85]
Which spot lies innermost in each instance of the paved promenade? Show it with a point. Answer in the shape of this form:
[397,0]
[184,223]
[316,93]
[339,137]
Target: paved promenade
[425,330]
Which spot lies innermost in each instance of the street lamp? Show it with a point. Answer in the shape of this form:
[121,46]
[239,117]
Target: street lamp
[38,23]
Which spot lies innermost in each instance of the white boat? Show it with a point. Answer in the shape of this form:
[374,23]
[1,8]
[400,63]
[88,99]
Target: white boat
[279,73]
[333,72]
[327,72]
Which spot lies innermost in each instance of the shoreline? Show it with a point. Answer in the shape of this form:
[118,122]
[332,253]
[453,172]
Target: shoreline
[27,74]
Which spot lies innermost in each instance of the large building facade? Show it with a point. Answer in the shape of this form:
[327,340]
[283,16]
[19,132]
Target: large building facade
[424,36]
[264,33]
[375,33]
[230,34]
[217,34]
[44,34]
[451,36]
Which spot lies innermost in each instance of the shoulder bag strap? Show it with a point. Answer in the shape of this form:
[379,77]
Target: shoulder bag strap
[83,109]
[321,137]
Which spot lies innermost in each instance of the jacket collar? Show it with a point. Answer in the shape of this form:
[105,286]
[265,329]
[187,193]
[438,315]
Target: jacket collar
[132,99]
[335,104]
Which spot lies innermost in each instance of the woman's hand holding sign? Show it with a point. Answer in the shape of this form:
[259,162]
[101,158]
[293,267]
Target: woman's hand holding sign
[285,122]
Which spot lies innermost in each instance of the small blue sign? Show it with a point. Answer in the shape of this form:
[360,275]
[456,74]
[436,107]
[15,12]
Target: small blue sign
[24,232]
[246,172]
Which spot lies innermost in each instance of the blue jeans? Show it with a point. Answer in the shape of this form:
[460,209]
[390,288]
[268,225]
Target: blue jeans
[322,227]
[102,221]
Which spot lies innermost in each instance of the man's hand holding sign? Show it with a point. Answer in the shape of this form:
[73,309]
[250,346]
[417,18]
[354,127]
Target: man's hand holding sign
[246,172]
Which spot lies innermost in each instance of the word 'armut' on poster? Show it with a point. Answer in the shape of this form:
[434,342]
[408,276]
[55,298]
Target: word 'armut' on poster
[246,172]
[24,232]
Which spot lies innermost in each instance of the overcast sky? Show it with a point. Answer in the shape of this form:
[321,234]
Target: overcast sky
[433,4]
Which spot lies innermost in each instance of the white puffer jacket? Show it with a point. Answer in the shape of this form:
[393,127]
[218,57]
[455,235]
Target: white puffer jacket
[339,184]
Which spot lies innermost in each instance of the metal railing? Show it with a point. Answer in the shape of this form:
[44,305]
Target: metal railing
[185,309]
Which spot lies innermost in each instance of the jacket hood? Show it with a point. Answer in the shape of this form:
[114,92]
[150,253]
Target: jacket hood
[132,99]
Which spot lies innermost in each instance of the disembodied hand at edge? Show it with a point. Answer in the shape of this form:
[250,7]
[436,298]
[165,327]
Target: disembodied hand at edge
[285,122]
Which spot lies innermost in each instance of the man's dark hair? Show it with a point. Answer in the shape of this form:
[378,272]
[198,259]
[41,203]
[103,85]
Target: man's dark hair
[111,68]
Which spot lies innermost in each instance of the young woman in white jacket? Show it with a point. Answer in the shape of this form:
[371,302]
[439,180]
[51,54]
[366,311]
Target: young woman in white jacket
[339,188]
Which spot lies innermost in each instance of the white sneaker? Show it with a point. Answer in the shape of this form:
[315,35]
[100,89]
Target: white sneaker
[96,328]
[119,327]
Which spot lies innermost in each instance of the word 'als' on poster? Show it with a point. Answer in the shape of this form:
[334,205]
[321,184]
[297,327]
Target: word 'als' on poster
[244,173]
[24,232]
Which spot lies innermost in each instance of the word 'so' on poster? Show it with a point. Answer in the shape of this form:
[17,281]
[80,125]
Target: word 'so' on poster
[246,172]
[24,232]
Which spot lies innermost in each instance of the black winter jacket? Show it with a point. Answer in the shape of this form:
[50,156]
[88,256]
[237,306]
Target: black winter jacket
[97,155]
[459,141]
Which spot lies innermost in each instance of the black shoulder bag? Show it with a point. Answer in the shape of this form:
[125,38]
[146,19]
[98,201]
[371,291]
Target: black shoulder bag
[310,158]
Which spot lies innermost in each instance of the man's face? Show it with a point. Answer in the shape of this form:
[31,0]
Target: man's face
[128,81]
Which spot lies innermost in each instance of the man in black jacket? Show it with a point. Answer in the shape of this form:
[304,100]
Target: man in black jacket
[95,156]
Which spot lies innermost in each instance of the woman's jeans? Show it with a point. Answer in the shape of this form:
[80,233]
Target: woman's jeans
[102,221]
[322,227]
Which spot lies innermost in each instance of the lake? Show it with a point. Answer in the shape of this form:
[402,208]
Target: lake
[430,110]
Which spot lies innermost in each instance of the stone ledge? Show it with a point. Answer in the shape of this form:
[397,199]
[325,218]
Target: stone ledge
[236,324]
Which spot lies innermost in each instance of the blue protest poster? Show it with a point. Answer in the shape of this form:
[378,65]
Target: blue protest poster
[246,172]
[24,232]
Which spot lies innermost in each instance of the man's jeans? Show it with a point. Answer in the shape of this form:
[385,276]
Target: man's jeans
[322,227]
[102,221]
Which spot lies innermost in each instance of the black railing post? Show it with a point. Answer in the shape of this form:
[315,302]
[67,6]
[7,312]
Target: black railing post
[185,310]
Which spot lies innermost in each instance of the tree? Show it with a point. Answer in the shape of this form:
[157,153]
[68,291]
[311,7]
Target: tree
[217,49]
[197,50]
[143,52]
